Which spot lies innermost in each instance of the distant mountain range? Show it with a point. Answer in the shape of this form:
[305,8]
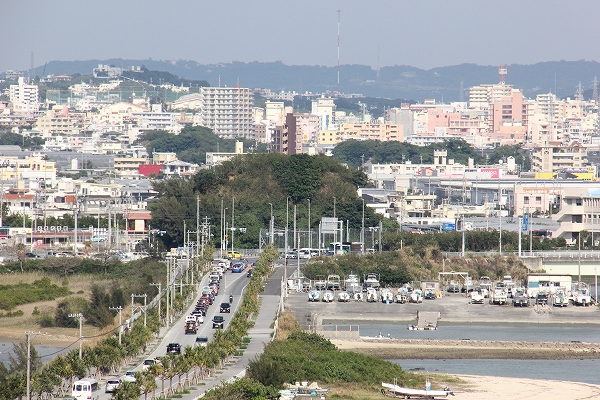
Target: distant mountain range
[395,82]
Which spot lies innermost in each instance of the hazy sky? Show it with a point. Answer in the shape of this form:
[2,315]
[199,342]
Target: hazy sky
[420,33]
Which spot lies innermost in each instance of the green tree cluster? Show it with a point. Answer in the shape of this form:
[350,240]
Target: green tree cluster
[192,143]
[252,183]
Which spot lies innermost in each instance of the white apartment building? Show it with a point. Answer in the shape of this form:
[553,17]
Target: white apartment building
[324,107]
[227,111]
[480,97]
[156,119]
[24,98]
[57,122]
[275,112]
[555,157]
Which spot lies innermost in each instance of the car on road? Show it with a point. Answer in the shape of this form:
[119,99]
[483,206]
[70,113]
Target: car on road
[129,377]
[218,322]
[225,308]
[201,341]
[234,254]
[147,363]
[112,384]
[238,267]
[249,274]
[31,255]
[174,348]
[291,255]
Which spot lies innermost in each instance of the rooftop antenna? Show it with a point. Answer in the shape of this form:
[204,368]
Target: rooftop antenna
[378,76]
[339,12]
[579,92]
[503,70]
[31,69]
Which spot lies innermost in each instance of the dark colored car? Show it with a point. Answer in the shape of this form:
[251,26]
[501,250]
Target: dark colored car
[238,267]
[225,308]
[430,296]
[174,348]
[201,341]
[249,274]
[541,299]
[218,322]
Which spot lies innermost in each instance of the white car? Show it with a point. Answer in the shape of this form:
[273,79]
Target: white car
[129,377]
[112,384]
[148,363]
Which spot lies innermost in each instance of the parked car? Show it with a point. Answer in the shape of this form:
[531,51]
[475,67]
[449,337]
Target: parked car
[225,308]
[541,299]
[112,384]
[174,348]
[218,322]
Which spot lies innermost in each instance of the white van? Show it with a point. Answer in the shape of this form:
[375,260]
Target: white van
[85,389]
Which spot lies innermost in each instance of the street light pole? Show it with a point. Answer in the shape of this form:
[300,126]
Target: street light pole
[120,309]
[309,231]
[232,221]
[362,230]
[271,225]
[80,317]
[287,217]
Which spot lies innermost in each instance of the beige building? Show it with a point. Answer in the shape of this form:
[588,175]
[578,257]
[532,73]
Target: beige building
[55,123]
[368,131]
[555,157]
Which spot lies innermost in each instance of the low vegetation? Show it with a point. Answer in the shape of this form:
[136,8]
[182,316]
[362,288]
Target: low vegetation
[23,293]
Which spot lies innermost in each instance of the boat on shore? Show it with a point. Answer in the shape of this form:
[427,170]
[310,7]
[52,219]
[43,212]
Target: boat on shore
[314,295]
[327,296]
[393,390]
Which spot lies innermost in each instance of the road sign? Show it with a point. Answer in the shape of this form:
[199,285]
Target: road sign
[525,226]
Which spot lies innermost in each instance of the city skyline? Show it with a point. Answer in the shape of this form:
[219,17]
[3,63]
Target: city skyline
[383,33]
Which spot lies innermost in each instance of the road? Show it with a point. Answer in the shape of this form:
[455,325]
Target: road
[231,283]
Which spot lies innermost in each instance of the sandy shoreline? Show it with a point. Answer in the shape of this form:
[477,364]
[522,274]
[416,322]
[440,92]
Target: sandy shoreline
[467,349]
[493,388]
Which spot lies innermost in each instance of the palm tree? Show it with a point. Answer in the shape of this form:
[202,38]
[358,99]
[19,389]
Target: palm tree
[148,380]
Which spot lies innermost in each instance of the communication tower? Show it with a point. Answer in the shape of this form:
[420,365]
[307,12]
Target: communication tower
[503,70]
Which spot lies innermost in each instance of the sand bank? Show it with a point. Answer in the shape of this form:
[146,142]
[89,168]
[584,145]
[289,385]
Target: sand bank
[494,388]
[467,349]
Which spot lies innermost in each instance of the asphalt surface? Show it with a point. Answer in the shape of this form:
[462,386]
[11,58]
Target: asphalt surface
[260,334]
[453,308]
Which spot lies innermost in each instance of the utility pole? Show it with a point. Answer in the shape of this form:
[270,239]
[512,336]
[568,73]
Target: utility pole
[232,221]
[362,230]
[309,231]
[271,240]
[80,317]
[133,296]
[168,290]
[120,309]
[28,333]
[159,285]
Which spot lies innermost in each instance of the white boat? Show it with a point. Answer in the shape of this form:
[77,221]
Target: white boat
[416,296]
[352,283]
[314,295]
[333,282]
[393,390]
[343,297]
[560,298]
[580,294]
[320,282]
[402,296]
[499,297]
[371,295]
[485,283]
[372,281]
[386,295]
[327,296]
[476,297]
[508,284]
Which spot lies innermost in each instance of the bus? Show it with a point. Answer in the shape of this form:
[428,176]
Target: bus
[84,389]
[338,248]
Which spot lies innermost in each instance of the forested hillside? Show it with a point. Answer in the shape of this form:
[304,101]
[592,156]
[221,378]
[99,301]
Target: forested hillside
[251,184]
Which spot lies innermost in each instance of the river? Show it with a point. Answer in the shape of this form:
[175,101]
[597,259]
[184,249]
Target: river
[47,353]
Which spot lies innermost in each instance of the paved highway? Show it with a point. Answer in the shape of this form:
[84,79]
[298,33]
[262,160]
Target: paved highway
[231,283]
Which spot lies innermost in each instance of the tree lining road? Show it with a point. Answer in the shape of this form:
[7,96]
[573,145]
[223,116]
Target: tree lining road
[231,283]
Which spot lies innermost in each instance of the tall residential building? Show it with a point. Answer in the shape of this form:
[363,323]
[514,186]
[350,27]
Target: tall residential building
[480,97]
[324,107]
[24,98]
[227,111]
